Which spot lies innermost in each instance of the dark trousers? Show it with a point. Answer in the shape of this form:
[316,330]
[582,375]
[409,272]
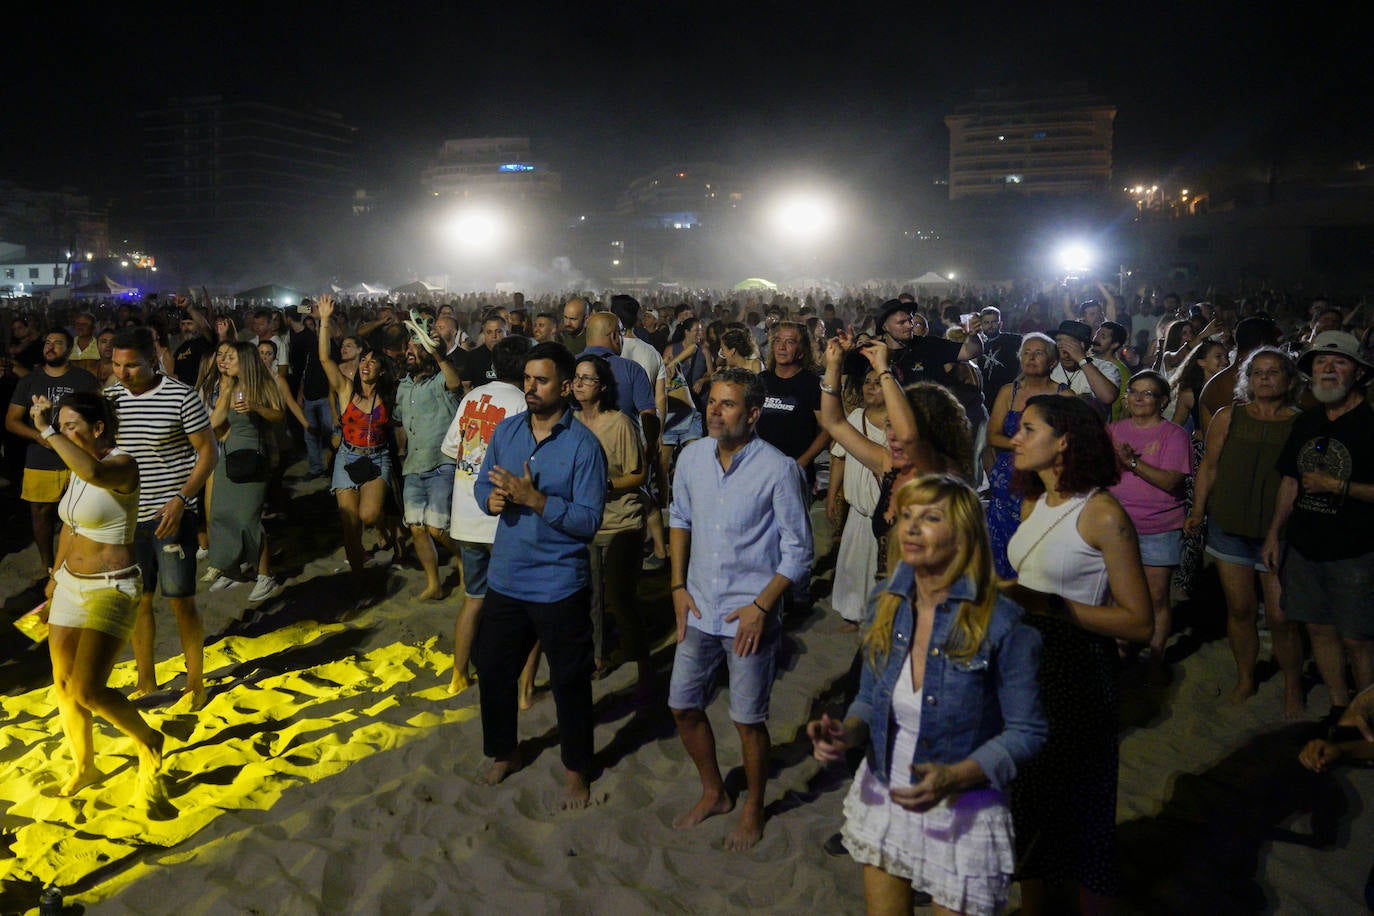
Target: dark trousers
[506,632]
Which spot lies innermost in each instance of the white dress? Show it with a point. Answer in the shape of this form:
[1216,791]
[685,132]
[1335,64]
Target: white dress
[961,852]
[856,564]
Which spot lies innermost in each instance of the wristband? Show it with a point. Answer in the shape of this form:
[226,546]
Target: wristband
[184,500]
[676,587]
[829,389]
[759,606]
[886,372]
[48,433]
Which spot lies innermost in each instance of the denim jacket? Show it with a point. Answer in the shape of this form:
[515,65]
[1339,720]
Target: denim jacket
[986,707]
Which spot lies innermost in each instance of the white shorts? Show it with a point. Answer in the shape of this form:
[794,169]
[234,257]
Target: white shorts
[103,603]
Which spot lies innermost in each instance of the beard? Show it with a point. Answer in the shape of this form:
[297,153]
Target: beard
[56,362]
[1330,394]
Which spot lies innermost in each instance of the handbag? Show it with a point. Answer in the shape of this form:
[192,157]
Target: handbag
[245,465]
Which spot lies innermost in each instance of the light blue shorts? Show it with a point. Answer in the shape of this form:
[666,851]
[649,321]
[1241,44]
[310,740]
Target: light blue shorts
[428,497]
[697,660]
[1234,548]
[1162,549]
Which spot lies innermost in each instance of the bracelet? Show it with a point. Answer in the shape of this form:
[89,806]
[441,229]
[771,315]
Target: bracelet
[676,587]
[185,501]
[829,389]
[759,606]
[48,433]
[886,372]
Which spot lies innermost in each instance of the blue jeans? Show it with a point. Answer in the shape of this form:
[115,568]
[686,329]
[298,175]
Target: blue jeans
[320,415]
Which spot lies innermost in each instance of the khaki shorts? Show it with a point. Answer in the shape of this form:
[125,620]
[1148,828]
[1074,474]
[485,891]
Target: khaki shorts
[44,486]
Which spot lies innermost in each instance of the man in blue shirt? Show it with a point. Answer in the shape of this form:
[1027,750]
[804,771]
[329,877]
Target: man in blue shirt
[740,537]
[634,389]
[545,477]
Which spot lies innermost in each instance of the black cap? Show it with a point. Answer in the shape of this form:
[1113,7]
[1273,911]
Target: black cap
[890,308]
[1077,329]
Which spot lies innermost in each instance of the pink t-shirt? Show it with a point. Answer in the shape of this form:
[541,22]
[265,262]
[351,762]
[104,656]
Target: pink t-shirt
[1166,446]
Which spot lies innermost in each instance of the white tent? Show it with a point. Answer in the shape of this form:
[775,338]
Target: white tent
[930,279]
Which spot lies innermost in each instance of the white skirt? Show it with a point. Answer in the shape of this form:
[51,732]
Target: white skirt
[961,852]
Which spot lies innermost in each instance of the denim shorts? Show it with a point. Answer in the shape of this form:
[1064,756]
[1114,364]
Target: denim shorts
[475,559]
[1234,548]
[1162,549]
[428,496]
[697,660]
[1331,592]
[682,426]
[168,563]
[347,455]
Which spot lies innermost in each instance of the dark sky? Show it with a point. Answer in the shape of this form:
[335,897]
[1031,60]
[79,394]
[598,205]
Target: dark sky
[607,91]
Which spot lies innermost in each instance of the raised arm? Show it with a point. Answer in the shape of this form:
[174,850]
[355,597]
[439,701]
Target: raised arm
[117,472]
[337,382]
[873,456]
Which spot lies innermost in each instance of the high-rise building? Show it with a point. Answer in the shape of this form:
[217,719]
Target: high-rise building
[220,171]
[683,195]
[491,168]
[1054,141]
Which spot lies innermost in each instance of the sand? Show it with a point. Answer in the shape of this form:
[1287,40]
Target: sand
[331,772]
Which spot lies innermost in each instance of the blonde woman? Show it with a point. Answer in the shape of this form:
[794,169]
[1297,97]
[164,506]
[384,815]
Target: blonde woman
[246,408]
[946,657]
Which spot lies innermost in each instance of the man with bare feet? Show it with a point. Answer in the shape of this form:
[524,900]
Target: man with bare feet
[426,401]
[739,537]
[474,530]
[544,476]
[163,424]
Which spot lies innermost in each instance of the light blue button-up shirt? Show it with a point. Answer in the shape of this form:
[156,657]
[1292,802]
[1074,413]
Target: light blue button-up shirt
[747,524]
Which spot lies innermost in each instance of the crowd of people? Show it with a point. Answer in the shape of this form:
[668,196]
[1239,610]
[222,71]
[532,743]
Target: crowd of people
[1015,514]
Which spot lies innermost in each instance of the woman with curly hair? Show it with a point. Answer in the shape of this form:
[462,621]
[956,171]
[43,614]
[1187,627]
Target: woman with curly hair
[1075,545]
[948,709]
[737,350]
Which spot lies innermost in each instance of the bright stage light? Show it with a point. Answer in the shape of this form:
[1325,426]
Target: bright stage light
[1075,258]
[477,231]
[804,217]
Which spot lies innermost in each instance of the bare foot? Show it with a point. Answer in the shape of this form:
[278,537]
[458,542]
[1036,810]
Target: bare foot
[1294,708]
[150,756]
[434,593]
[142,690]
[191,701]
[748,831]
[710,804]
[82,778]
[576,792]
[460,683]
[499,770]
[1240,694]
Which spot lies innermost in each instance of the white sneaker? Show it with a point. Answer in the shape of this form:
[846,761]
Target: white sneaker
[265,586]
[211,574]
[222,583]
[201,552]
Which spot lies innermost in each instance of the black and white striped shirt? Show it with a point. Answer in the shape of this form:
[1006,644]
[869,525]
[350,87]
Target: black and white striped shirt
[155,427]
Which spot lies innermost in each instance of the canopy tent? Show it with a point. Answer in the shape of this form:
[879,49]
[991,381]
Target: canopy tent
[104,287]
[930,278]
[362,289]
[754,283]
[278,295]
[416,288]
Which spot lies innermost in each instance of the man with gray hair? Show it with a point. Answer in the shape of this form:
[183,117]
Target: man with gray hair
[1325,505]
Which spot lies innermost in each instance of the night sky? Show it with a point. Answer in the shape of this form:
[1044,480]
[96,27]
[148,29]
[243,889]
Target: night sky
[606,92]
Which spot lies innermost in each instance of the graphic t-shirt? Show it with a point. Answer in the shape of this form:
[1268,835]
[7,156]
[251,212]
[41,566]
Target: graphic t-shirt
[788,421]
[466,441]
[923,359]
[1326,526]
[38,457]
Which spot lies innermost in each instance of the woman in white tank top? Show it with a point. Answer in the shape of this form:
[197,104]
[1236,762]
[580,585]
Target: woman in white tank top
[95,585]
[1079,575]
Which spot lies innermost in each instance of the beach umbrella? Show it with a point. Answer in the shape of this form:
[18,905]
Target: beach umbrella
[754,283]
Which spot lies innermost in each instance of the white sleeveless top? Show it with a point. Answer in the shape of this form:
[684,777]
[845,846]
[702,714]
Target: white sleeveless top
[1049,554]
[101,515]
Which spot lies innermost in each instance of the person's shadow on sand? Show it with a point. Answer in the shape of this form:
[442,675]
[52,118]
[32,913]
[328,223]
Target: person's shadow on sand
[1201,853]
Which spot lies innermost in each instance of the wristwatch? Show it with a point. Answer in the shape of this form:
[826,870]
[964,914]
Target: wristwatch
[1134,462]
[1087,360]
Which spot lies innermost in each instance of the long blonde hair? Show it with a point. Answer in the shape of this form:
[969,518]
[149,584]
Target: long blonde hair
[973,557]
[258,385]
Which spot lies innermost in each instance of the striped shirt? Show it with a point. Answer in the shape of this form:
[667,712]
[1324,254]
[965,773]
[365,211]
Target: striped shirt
[155,427]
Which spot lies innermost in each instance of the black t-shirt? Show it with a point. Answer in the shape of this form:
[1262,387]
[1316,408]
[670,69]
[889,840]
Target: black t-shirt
[1324,526]
[923,359]
[1000,364]
[477,368]
[788,421]
[188,357]
[54,389]
[303,354]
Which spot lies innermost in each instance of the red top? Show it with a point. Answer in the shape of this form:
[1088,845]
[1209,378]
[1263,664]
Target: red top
[361,432]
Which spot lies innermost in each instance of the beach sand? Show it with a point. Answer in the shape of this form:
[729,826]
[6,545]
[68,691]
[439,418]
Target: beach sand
[331,772]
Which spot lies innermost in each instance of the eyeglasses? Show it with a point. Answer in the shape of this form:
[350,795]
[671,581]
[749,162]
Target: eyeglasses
[1143,393]
[587,379]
